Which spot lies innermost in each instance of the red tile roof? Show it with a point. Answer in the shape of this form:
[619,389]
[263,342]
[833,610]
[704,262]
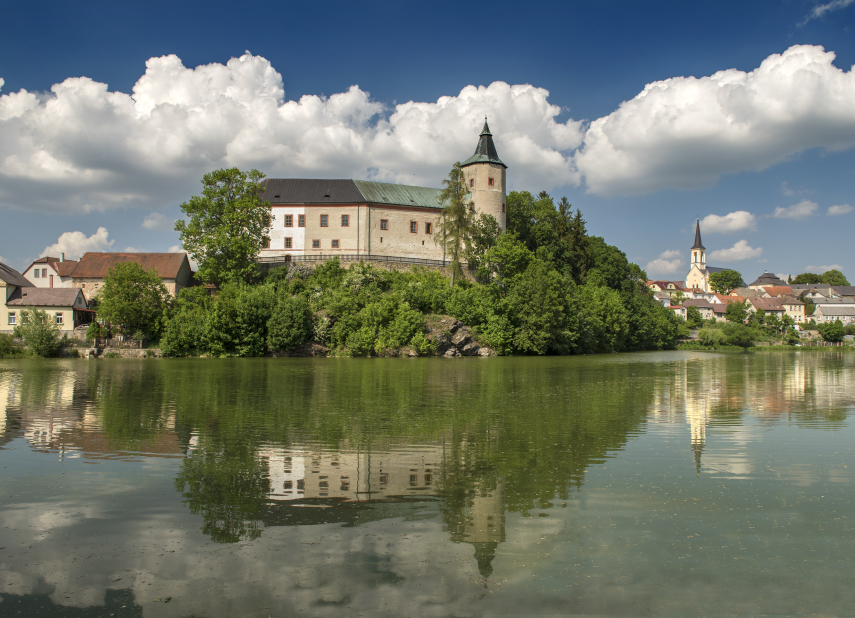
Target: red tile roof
[97,265]
[778,290]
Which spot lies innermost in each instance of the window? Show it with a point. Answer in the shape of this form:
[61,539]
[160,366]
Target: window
[471,182]
[266,220]
[490,182]
[36,273]
[44,272]
[316,244]
[289,220]
[265,242]
[472,206]
[503,208]
[414,227]
[414,480]
[12,318]
[288,485]
[428,228]
[58,315]
[384,224]
[384,479]
[301,220]
[325,220]
[287,243]
[345,485]
[301,484]
[335,244]
[345,221]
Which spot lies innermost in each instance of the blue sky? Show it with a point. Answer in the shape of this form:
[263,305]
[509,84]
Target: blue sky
[767,146]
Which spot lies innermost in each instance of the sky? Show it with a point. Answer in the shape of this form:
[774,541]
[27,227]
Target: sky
[645,116]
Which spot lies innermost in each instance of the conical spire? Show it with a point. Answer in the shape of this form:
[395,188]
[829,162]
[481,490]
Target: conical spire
[698,244]
[485,152]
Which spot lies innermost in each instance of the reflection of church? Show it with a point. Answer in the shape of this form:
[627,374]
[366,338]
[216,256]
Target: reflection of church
[375,485]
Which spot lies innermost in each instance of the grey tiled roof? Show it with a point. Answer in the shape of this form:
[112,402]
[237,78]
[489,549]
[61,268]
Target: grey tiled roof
[44,297]
[13,277]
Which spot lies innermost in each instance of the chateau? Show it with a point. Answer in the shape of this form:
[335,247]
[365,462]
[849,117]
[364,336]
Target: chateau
[361,219]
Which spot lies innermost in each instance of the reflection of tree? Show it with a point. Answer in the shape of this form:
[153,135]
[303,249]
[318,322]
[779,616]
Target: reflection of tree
[225,482]
[131,398]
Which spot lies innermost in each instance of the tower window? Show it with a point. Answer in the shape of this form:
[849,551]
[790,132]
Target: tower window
[490,182]
[414,227]
[428,228]
[471,182]
[384,224]
[503,208]
[472,206]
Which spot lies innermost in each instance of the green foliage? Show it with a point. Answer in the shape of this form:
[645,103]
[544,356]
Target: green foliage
[832,331]
[605,318]
[290,325]
[94,330]
[133,298]
[736,312]
[693,317]
[739,335]
[834,277]
[538,304]
[40,332]
[725,281]
[807,279]
[8,349]
[456,224]
[712,337]
[226,226]
[483,237]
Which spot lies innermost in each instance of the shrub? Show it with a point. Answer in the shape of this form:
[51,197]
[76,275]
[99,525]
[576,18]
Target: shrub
[39,332]
[94,331]
[832,331]
[290,325]
[739,335]
[8,349]
[712,337]
[73,353]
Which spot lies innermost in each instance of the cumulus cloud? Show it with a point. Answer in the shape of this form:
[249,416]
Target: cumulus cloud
[802,210]
[840,209]
[75,244]
[82,147]
[731,222]
[158,221]
[740,251]
[668,263]
[823,269]
[828,7]
[685,132]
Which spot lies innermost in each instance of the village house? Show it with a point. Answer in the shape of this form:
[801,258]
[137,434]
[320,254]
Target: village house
[66,306]
[832,313]
[767,305]
[92,269]
[318,218]
[765,280]
[50,272]
[705,308]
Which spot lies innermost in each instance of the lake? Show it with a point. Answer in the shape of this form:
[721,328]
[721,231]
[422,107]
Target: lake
[667,484]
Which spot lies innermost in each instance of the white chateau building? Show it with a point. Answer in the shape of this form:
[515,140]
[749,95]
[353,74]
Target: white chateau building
[358,219]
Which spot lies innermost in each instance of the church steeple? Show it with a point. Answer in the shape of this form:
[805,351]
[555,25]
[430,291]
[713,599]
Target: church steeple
[698,244]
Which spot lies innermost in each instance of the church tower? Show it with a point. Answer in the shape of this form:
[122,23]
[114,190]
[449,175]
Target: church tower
[699,258]
[486,179]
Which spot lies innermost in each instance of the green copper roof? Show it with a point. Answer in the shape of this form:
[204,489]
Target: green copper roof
[486,150]
[403,195]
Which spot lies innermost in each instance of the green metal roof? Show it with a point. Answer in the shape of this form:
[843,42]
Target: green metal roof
[485,152]
[403,195]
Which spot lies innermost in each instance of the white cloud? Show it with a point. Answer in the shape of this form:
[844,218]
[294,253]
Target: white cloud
[731,222]
[158,221]
[82,147]
[785,190]
[823,269]
[840,209]
[828,7]
[685,132]
[740,251]
[75,244]
[668,263]
[782,276]
[802,210]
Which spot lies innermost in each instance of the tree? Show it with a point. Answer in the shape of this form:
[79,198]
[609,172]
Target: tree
[834,277]
[807,279]
[39,331]
[832,331]
[484,236]
[726,281]
[736,312]
[133,297]
[226,225]
[454,231]
[739,335]
[693,317]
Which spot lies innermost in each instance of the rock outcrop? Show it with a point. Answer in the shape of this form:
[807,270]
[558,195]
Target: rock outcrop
[453,338]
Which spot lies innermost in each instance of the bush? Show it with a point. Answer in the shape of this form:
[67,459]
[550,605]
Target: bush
[94,330]
[712,337]
[39,332]
[832,331]
[8,349]
[73,353]
[739,335]
[290,325]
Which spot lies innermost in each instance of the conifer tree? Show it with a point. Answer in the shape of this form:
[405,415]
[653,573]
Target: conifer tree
[456,221]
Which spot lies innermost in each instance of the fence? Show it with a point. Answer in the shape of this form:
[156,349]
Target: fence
[348,257]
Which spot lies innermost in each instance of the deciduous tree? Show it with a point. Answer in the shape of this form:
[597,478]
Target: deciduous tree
[226,225]
[726,281]
[736,312]
[133,297]
[39,331]
[834,277]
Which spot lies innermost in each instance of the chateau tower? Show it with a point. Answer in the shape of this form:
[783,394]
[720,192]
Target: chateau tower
[486,178]
[699,258]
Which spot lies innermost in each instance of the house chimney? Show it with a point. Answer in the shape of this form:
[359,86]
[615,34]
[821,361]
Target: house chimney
[63,258]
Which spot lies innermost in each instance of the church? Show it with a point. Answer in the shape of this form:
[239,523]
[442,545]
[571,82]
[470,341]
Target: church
[361,219]
[699,273]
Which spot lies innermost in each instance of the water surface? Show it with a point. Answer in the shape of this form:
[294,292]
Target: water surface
[671,483]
